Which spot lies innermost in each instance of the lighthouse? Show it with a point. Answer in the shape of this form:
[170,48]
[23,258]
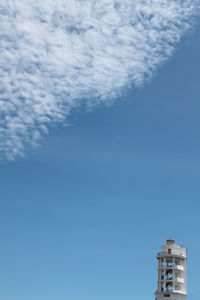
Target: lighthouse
[172,272]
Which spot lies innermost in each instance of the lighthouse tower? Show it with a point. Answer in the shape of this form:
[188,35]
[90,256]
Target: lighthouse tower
[172,272]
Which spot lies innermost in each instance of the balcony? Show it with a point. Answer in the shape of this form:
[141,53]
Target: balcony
[172,254]
[179,280]
[174,266]
[175,280]
[178,267]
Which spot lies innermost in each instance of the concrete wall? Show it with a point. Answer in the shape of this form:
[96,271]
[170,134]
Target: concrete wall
[172,297]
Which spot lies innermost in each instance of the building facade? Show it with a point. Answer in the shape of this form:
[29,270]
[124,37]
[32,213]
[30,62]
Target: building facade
[172,272]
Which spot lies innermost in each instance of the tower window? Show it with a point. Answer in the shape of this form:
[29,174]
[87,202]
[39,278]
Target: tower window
[169,262]
[169,251]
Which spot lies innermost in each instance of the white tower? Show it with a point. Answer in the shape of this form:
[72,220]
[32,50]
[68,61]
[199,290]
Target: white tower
[172,272]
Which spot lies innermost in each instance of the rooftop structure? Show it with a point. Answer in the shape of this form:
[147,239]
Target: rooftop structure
[172,272]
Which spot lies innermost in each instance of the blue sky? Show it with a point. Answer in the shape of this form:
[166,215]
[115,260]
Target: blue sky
[83,216]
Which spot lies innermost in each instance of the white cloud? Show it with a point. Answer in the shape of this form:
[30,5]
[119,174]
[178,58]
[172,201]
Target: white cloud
[58,55]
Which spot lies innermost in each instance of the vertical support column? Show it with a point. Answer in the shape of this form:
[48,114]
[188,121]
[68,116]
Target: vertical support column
[164,287]
[173,277]
[159,274]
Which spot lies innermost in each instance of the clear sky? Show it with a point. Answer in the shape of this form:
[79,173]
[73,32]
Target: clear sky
[83,216]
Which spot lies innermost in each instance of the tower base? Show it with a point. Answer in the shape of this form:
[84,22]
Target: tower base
[170,296]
